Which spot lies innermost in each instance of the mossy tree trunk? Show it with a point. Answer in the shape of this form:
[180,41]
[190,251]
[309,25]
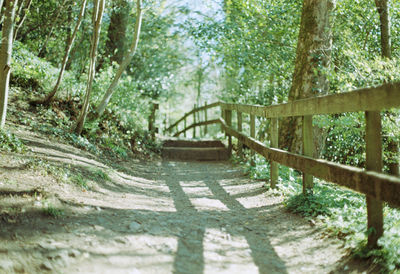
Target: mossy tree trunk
[98,11]
[312,62]
[5,56]
[116,34]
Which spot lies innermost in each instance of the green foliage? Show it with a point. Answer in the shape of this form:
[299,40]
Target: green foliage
[38,75]
[99,173]
[80,181]
[255,42]
[341,211]
[345,138]
[308,205]
[52,211]
[10,142]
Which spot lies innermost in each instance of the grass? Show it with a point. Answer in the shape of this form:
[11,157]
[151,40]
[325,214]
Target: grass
[99,173]
[81,181]
[342,212]
[52,211]
[11,143]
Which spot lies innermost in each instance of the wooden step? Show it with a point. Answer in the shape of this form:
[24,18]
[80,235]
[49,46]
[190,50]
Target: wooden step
[192,143]
[196,153]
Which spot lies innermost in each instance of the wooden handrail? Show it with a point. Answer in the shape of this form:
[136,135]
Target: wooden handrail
[376,98]
[378,187]
[367,99]
[216,104]
[209,122]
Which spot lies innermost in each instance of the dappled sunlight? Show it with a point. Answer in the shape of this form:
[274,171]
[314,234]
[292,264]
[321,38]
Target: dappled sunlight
[184,217]
[226,253]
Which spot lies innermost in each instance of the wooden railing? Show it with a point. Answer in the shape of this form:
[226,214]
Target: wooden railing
[377,186]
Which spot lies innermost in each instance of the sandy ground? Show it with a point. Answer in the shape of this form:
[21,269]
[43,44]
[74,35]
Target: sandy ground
[151,217]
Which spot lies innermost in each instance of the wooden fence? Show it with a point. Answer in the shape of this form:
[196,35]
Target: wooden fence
[377,186]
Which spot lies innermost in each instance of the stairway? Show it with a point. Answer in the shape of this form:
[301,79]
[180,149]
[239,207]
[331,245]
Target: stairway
[194,150]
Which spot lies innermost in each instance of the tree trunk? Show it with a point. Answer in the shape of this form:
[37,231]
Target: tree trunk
[312,59]
[5,56]
[1,11]
[383,10]
[98,12]
[126,61]
[25,6]
[51,95]
[116,45]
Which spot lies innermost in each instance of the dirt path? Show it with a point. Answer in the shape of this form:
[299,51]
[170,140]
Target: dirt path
[151,217]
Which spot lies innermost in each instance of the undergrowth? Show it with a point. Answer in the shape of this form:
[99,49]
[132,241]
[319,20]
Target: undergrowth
[11,143]
[342,212]
[112,134]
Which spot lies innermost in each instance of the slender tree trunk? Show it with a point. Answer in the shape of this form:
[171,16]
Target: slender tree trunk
[97,18]
[383,10]
[5,56]
[79,42]
[126,61]
[1,10]
[46,41]
[312,58]
[51,95]
[25,6]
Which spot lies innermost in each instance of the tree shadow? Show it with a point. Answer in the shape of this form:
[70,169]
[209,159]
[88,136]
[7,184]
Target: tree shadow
[262,251]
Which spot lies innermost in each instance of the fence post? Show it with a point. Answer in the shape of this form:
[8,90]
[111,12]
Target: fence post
[205,120]
[253,135]
[152,117]
[308,150]
[240,144]
[393,149]
[373,140]
[184,127]
[274,168]
[194,122]
[228,117]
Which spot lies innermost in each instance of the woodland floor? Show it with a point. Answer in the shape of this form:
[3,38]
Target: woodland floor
[150,217]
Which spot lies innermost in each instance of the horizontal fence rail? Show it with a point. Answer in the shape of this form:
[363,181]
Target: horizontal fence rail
[378,98]
[380,186]
[377,187]
[193,111]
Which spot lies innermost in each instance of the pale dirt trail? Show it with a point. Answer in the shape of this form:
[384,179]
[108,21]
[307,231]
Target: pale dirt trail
[156,217]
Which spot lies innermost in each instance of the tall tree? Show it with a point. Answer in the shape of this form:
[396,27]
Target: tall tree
[70,43]
[386,51]
[383,10]
[116,34]
[126,61]
[98,11]
[313,56]
[5,56]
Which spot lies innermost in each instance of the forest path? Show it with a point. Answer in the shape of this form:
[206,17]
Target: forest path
[151,217]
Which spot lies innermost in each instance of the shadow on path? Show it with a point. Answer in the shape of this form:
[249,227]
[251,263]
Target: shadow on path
[190,247]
